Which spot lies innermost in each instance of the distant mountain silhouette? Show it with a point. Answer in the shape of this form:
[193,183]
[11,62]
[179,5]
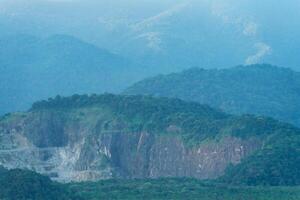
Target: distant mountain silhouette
[33,68]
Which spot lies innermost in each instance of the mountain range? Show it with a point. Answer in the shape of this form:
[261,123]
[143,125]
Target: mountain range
[255,89]
[34,68]
[168,35]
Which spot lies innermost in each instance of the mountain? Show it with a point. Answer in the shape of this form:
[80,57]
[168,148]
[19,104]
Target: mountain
[255,89]
[169,35]
[114,136]
[34,68]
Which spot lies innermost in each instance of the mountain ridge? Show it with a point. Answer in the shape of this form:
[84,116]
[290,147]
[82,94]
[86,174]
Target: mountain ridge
[60,64]
[257,89]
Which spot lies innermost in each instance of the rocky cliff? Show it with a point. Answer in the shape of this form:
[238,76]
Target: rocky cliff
[106,138]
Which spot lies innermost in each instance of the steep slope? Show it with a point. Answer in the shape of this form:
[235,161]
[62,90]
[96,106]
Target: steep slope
[97,137]
[277,164]
[33,68]
[256,89]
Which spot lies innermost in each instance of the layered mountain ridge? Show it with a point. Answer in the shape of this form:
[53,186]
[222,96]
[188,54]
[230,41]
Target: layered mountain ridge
[113,136]
[256,89]
[33,68]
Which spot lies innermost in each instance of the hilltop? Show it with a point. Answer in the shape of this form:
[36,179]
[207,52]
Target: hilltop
[256,89]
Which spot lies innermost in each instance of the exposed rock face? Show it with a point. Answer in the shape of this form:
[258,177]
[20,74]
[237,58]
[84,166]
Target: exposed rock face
[68,148]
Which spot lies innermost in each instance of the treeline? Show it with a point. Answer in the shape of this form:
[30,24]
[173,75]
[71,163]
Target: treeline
[26,185]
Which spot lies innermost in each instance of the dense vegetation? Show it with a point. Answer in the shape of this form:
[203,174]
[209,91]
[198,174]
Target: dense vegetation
[192,121]
[26,185]
[179,189]
[277,164]
[156,115]
[256,89]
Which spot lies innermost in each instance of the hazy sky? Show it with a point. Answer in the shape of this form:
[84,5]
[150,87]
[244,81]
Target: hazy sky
[257,30]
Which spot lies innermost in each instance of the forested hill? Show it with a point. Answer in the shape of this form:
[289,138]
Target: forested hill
[129,137]
[256,89]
